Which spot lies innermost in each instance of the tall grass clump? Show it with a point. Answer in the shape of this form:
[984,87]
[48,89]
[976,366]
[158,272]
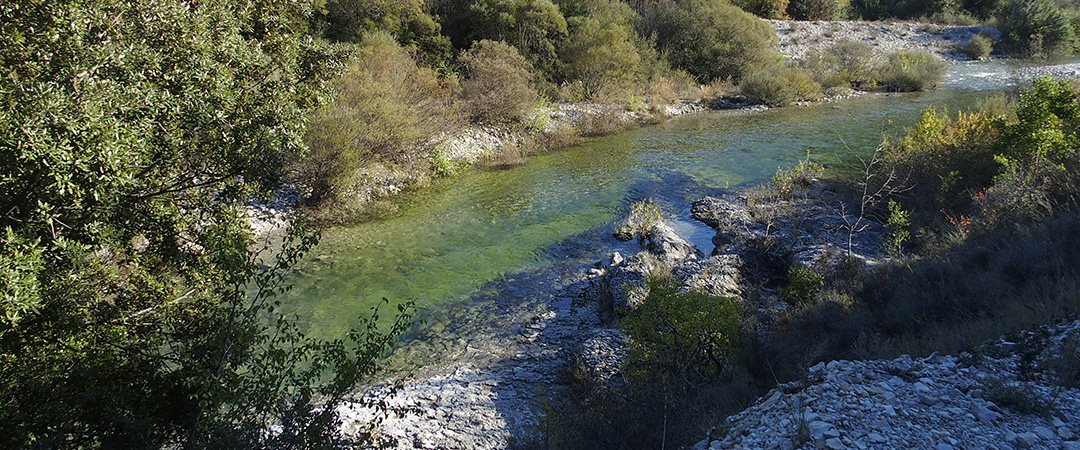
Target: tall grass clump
[912,70]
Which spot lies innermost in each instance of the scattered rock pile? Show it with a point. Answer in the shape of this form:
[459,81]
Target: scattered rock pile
[798,37]
[1012,394]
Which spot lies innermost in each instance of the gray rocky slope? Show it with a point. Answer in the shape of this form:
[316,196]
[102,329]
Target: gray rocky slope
[1012,394]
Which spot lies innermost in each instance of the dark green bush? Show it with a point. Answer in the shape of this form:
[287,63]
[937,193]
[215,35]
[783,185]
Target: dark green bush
[802,287]
[535,28]
[685,338]
[978,47]
[766,9]
[912,70]
[713,40]
[498,83]
[814,9]
[1036,28]
[901,9]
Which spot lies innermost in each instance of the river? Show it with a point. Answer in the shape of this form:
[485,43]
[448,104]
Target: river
[448,241]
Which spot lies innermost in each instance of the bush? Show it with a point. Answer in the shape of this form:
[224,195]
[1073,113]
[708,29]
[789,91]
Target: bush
[846,63]
[797,179]
[802,287]
[814,9]
[603,57]
[713,40]
[766,9]
[497,86]
[535,28]
[1036,28]
[978,47]
[385,109]
[902,9]
[912,70]
[684,338]
[777,85]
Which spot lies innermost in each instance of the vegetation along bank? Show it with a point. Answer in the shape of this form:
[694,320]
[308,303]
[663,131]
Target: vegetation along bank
[134,309]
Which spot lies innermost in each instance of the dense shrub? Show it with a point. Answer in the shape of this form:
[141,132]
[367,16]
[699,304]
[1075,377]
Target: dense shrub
[406,20]
[713,40]
[135,312]
[603,57]
[766,9]
[847,63]
[912,70]
[802,286]
[903,9]
[814,9]
[498,83]
[978,47]
[685,338]
[778,85]
[930,157]
[1038,152]
[536,28]
[1036,27]
[386,109]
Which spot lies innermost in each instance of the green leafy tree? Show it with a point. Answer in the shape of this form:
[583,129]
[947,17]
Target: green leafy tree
[134,310]
[350,20]
[603,57]
[712,39]
[1036,27]
[536,28]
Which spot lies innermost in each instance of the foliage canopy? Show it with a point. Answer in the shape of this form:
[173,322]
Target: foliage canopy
[134,311]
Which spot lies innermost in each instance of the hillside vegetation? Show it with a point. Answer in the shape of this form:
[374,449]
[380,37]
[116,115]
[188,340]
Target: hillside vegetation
[135,309]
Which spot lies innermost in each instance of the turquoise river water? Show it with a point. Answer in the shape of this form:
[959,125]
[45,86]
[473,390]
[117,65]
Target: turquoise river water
[449,240]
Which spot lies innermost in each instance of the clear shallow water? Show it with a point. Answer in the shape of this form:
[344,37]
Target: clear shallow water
[446,242]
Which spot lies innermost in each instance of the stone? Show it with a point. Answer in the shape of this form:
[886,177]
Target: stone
[982,413]
[1045,433]
[835,444]
[1066,433]
[944,446]
[1026,440]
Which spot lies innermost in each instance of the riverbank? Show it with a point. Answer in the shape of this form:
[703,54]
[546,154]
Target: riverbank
[797,38]
[551,335]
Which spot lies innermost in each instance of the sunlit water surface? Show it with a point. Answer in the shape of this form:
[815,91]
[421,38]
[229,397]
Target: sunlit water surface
[449,240]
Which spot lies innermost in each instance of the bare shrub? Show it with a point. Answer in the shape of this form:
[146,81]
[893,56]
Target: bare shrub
[498,83]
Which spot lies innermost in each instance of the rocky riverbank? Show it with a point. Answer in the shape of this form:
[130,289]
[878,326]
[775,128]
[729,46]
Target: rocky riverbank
[548,330]
[1018,392]
[796,38]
